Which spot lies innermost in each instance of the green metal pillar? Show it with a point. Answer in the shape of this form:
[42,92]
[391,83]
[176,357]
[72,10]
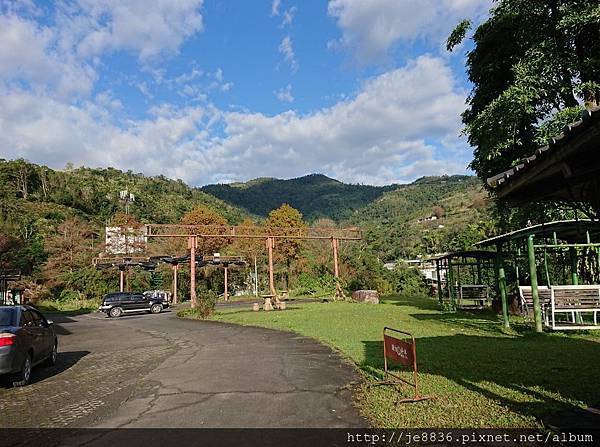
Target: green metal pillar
[535,294]
[574,274]
[573,256]
[546,270]
[439,281]
[450,282]
[502,284]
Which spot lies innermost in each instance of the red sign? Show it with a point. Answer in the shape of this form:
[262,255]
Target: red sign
[398,350]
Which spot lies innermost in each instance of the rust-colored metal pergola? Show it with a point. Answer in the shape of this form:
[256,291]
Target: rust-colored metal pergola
[225,262]
[269,234]
[123,263]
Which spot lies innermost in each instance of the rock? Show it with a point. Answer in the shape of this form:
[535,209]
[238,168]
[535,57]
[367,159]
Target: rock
[268,306]
[366,296]
[255,307]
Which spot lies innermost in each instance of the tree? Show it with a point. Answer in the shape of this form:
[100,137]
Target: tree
[438,211]
[70,248]
[286,217]
[535,64]
[202,215]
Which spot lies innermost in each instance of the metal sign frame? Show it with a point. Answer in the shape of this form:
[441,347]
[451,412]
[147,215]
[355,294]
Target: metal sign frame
[404,352]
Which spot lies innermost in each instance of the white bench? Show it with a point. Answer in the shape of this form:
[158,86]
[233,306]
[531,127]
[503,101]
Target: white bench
[526,300]
[473,296]
[575,301]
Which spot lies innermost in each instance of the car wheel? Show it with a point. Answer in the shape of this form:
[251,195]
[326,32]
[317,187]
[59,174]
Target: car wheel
[24,376]
[156,308]
[115,312]
[51,360]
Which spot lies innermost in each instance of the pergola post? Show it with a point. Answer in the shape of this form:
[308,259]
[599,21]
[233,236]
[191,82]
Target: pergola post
[192,247]
[573,256]
[255,278]
[336,271]
[535,294]
[336,268]
[501,274]
[121,279]
[226,292]
[270,246]
[439,281]
[175,267]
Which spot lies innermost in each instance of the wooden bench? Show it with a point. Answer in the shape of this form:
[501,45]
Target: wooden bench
[526,300]
[473,296]
[574,301]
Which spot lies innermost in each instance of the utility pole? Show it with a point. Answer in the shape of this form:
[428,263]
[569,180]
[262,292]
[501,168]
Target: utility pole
[126,198]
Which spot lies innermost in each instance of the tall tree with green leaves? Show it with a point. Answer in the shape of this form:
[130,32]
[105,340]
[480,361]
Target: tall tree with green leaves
[535,65]
[288,249]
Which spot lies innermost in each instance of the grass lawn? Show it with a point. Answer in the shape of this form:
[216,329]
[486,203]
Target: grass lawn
[69,307]
[481,376]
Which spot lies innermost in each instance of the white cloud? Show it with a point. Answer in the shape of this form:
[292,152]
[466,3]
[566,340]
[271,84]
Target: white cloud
[288,16]
[148,29]
[285,94]
[275,7]
[42,129]
[27,53]
[286,47]
[370,28]
[393,130]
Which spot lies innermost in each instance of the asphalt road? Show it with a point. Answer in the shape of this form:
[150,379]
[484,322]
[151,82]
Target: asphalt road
[160,371]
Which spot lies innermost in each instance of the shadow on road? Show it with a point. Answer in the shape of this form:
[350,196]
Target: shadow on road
[64,361]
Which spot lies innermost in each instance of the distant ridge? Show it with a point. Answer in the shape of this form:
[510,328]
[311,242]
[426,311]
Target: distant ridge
[315,195]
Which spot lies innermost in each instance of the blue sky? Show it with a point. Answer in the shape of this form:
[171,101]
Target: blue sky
[218,91]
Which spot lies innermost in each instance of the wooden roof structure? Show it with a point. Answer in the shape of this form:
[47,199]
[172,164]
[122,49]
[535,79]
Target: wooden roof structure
[567,169]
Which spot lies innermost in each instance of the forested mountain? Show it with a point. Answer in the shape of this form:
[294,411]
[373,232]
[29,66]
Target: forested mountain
[52,222]
[94,193]
[314,195]
[430,215]
[38,204]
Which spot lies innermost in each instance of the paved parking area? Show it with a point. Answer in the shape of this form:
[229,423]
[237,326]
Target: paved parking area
[160,371]
[97,369]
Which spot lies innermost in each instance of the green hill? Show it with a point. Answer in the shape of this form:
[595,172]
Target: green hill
[94,193]
[51,221]
[314,195]
[397,219]
[430,215]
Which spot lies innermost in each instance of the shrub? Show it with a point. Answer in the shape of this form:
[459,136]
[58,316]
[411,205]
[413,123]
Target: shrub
[69,295]
[311,284]
[407,281]
[207,300]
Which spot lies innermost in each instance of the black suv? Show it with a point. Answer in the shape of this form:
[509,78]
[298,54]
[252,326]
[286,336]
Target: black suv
[118,303]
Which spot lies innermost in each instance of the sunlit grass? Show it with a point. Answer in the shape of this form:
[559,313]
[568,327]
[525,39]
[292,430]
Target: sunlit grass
[480,375]
[69,306]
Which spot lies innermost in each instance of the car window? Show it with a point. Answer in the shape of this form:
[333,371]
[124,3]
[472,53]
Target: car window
[7,317]
[38,318]
[26,319]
